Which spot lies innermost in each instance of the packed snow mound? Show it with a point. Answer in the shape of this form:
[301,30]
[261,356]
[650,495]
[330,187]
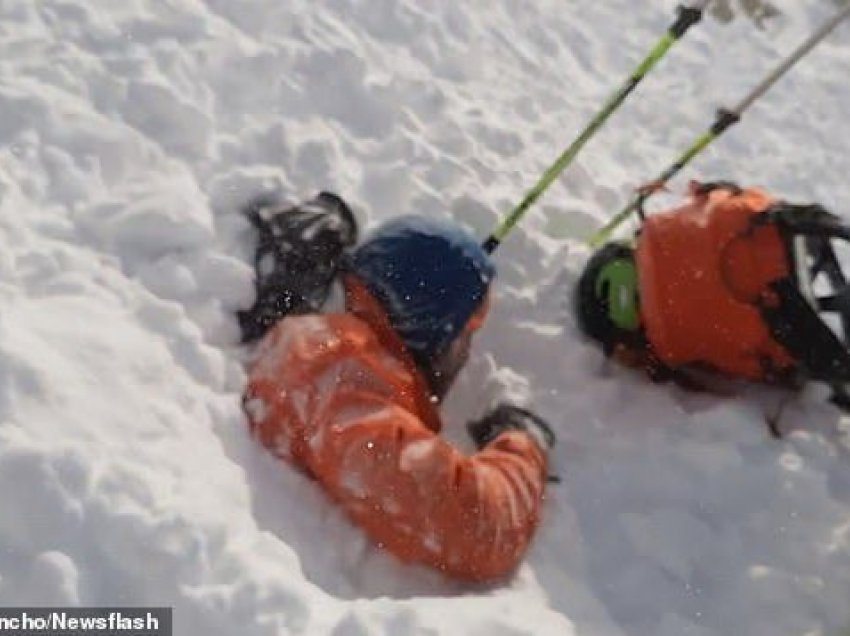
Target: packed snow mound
[130,133]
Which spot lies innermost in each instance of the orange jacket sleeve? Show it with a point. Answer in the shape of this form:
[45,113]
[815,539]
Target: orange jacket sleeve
[413,492]
[351,424]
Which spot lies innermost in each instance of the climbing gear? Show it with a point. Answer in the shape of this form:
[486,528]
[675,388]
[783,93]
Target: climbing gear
[686,18]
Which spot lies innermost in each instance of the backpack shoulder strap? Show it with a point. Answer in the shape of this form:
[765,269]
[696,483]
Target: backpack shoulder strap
[791,308]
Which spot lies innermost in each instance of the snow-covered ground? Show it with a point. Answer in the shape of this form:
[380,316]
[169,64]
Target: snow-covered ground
[129,133]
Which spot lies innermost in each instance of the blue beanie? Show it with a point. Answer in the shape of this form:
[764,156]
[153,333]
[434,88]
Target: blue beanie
[429,275]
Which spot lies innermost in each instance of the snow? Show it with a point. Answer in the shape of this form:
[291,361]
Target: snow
[129,134]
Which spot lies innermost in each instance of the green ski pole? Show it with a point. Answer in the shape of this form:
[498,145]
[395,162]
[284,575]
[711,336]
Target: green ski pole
[725,119]
[687,17]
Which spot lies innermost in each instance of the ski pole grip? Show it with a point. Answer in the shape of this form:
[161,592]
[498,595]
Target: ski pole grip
[688,17]
[489,246]
[725,119]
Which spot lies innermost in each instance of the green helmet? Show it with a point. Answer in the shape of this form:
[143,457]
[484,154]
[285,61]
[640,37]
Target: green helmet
[607,298]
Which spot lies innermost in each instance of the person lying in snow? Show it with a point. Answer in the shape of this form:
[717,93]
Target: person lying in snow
[351,397]
[726,282]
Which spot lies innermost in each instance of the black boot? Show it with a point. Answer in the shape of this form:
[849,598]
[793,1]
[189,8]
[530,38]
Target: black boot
[299,250]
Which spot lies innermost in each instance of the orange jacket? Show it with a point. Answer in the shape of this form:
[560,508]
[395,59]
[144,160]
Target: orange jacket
[338,395]
[701,269]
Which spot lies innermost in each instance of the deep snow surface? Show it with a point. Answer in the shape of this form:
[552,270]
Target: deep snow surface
[129,133]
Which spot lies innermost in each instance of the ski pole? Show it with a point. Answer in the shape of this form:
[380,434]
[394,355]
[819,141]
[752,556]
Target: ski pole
[725,119]
[687,17]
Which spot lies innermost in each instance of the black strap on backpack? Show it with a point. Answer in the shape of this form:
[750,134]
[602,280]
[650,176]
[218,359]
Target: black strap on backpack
[299,252]
[795,320]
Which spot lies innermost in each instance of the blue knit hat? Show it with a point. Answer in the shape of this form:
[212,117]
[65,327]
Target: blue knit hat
[429,275]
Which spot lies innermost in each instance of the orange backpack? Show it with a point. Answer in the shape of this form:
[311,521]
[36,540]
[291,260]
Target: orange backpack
[704,271]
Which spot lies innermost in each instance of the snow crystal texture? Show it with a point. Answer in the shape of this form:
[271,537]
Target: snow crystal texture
[130,133]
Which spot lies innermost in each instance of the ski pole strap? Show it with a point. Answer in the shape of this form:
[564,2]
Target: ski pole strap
[687,17]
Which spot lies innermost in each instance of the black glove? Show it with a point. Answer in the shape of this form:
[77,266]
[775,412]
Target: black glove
[298,254]
[508,417]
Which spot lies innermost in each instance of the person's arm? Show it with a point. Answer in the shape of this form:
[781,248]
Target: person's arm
[324,395]
[420,498]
